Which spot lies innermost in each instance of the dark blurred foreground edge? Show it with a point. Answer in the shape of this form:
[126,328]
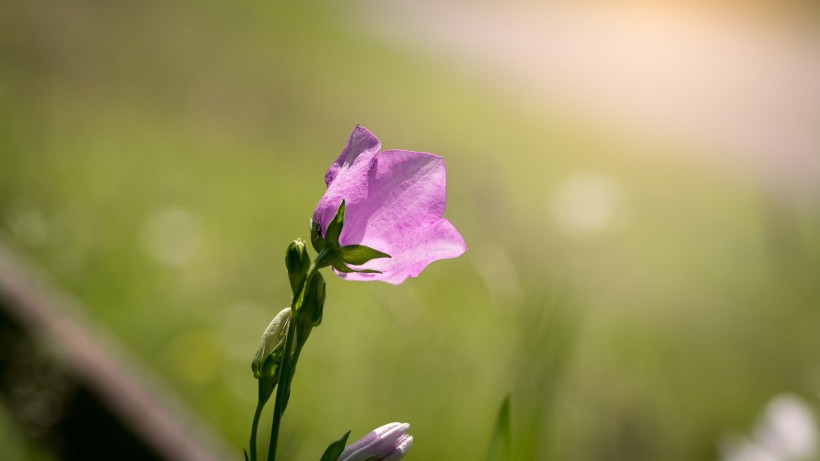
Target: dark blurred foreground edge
[74,391]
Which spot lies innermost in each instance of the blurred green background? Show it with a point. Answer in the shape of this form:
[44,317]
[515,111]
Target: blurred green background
[638,295]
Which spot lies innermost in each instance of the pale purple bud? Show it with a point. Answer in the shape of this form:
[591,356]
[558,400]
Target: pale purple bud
[387,443]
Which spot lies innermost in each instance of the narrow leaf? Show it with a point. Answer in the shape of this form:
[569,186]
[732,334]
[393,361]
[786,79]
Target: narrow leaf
[335,449]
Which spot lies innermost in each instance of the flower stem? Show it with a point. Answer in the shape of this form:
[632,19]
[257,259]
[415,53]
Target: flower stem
[259,406]
[281,392]
[288,364]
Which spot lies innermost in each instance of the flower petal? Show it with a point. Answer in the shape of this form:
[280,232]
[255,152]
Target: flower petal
[361,143]
[394,204]
[438,241]
[347,177]
[405,190]
[401,216]
[403,447]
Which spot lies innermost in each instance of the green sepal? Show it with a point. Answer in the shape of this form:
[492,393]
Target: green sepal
[360,254]
[316,236]
[335,449]
[331,254]
[269,368]
[334,229]
[341,267]
[246,454]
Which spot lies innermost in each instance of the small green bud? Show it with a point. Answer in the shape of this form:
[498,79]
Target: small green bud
[297,262]
[266,360]
[314,300]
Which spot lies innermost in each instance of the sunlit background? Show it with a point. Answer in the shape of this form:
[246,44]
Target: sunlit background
[638,185]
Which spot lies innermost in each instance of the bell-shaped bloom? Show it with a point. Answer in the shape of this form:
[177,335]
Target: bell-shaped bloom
[394,204]
[387,443]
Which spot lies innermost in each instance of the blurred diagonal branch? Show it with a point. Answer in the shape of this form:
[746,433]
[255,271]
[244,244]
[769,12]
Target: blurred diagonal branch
[101,367]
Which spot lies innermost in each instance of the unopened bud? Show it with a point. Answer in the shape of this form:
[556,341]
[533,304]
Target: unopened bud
[297,262]
[387,443]
[314,300]
[272,345]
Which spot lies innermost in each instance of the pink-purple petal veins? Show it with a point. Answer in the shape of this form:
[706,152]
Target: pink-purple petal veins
[362,144]
[394,204]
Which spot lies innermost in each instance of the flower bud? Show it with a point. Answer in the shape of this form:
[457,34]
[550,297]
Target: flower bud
[272,346]
[387,443]
[314,303]
[297,262]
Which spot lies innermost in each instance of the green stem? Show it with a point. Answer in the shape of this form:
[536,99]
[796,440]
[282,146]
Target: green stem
[259,406]
[281,392]
[288,364]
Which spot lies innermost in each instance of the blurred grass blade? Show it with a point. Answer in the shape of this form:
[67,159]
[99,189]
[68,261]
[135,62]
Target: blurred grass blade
[501,440]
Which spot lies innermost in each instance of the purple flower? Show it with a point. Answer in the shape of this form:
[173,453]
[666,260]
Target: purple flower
[394,204]
[387,443]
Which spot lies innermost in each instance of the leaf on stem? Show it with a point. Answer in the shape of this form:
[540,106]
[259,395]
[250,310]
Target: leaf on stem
[335,449]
